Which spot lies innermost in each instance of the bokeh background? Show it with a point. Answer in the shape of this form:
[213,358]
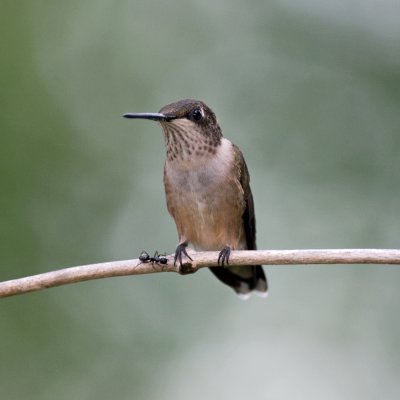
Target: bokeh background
[309,90]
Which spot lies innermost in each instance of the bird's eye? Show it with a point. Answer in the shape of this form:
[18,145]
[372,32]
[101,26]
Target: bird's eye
[196,114]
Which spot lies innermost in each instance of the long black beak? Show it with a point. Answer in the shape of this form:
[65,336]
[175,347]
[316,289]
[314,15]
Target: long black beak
[152,116]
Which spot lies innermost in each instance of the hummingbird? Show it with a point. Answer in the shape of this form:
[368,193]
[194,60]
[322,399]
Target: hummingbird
[207,188]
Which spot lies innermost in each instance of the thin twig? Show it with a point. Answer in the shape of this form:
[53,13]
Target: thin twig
[200,259]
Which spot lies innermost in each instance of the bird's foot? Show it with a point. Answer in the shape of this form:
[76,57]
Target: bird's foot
[181,249]
[224,256]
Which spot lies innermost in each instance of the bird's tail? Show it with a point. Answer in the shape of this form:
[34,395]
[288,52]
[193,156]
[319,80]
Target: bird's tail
[243,280]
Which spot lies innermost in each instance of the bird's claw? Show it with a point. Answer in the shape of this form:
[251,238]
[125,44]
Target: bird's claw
[223,256]
[181,249]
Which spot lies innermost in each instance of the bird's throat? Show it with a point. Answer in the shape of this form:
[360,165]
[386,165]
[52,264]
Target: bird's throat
[185,142]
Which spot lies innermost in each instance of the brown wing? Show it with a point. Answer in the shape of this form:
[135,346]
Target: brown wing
[249,219]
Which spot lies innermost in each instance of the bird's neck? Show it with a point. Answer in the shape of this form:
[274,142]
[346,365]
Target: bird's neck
[185,143]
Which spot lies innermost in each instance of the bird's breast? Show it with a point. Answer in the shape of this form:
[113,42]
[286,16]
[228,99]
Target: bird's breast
[206,201]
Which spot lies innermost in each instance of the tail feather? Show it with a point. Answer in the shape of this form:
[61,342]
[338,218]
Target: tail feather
[243,284]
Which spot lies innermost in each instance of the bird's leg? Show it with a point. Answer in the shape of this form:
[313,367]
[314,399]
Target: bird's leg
[187,267]
[224,256]
[181,249]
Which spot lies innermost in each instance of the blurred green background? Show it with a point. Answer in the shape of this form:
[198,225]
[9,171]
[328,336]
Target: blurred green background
[309,90]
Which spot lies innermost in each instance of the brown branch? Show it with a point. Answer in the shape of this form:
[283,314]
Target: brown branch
[200,259]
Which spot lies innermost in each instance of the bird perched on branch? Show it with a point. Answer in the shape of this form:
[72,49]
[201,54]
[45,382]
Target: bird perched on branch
[207,187]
